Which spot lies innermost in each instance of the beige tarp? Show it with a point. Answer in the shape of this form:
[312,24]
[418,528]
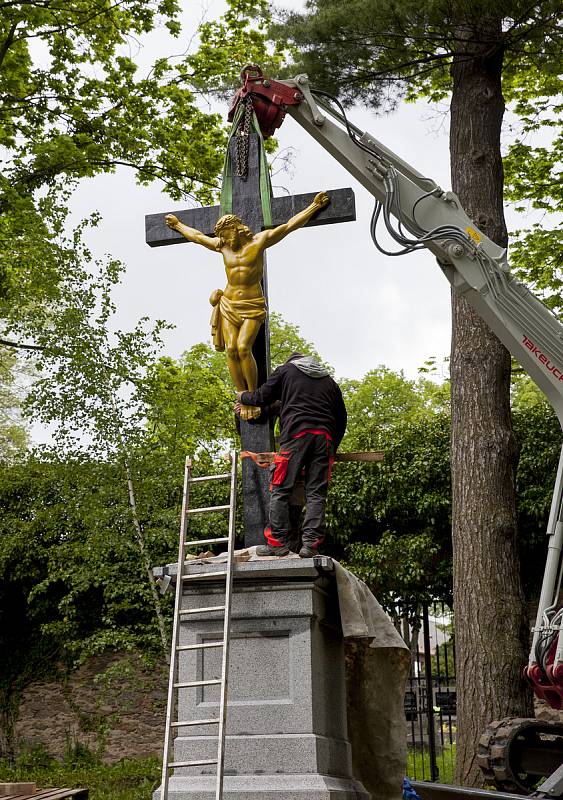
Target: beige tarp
[377,667]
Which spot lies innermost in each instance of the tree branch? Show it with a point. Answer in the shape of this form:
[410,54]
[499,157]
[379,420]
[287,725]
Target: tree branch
[8,42]
[61,29]
[20,345]
[34,3]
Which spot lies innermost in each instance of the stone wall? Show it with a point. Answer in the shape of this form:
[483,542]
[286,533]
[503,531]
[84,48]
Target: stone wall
[114,705]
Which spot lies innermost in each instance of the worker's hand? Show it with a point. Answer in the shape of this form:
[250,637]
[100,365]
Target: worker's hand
[321,200]
[238,406]
[172,221]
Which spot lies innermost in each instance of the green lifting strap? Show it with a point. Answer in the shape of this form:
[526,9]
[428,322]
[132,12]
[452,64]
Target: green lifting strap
[265,184]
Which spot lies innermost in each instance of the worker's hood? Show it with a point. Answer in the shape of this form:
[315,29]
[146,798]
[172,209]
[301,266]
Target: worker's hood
[310,367]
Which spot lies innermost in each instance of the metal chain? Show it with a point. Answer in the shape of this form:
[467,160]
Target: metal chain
[243,140]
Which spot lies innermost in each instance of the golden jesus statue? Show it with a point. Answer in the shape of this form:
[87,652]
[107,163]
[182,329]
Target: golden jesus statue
[240,310]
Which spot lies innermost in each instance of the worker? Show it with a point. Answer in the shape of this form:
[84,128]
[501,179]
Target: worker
[312,424]
[296,500]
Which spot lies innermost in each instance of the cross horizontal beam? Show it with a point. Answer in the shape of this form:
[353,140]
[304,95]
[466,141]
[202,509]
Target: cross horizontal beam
[342,208]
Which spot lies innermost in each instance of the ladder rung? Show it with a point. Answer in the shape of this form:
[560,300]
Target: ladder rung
[195,722]
[200,646]
[220,540]
[221,477]
[220,574]
[191,684]
[207,509]
[176,764]
[201,610]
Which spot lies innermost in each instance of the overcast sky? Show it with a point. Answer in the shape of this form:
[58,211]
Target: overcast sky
[360,308]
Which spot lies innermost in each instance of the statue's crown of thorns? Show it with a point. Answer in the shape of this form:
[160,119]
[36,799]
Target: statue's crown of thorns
[229,221]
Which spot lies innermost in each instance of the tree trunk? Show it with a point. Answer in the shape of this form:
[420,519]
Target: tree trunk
[147,564]
[491,624]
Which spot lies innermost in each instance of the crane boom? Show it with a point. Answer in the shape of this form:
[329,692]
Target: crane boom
[475,266]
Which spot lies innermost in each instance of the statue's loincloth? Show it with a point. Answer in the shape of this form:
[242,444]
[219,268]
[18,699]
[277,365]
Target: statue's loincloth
[235,312]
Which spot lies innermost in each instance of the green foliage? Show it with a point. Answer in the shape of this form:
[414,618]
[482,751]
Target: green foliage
[377,52]
[392,519]
[285,339]
[538,433]
[129,779]
[89,386]
[226,45]
[33,253]
[74,104]
[401,569]
[72,577]
[68,554]
[190,402]
[13,432]
[383,396]
[90,377]
[532,174]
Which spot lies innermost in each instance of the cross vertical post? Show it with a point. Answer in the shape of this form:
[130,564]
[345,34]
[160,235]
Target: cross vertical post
[256,436]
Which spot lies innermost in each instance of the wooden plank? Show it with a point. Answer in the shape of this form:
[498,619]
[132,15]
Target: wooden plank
[21,787]
[342,208]
[367,456]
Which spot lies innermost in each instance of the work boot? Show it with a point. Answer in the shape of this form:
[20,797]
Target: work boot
[270,550]
[307,552]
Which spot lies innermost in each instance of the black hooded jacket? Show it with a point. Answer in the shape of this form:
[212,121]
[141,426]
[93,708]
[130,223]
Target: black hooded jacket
[310,399]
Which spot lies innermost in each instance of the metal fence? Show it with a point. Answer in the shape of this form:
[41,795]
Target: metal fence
[430,698]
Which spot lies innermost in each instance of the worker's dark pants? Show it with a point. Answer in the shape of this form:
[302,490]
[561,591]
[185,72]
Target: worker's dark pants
[312,452]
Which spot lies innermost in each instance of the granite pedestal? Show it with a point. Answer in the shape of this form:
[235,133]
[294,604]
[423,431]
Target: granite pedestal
[286,723]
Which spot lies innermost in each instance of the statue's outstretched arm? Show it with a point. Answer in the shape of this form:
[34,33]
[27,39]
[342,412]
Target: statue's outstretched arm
[192,234]
[275,235]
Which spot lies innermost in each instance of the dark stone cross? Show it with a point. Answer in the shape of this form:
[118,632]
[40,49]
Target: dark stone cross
[257,435]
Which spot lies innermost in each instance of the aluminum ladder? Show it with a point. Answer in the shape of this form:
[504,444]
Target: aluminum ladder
[174,686]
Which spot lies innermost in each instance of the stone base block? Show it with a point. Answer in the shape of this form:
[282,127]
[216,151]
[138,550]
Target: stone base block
[280,753]
[286,732]
[268,787]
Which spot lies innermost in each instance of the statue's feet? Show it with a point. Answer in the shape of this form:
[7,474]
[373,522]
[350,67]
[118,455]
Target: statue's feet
[249,412]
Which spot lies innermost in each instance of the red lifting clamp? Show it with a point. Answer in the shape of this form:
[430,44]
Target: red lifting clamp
[269,99]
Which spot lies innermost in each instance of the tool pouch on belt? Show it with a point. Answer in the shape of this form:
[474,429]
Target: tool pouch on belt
[281,461]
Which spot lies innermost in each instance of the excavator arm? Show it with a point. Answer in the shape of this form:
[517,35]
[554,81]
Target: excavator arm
[418,213]
[475,266]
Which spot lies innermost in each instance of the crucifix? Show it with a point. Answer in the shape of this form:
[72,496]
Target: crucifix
[256,433]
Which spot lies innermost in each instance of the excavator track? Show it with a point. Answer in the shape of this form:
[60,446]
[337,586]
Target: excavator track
[516,754]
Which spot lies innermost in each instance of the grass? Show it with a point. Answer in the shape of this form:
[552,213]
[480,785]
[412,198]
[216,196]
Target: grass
[418,765]
[136,779]
[129,779]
